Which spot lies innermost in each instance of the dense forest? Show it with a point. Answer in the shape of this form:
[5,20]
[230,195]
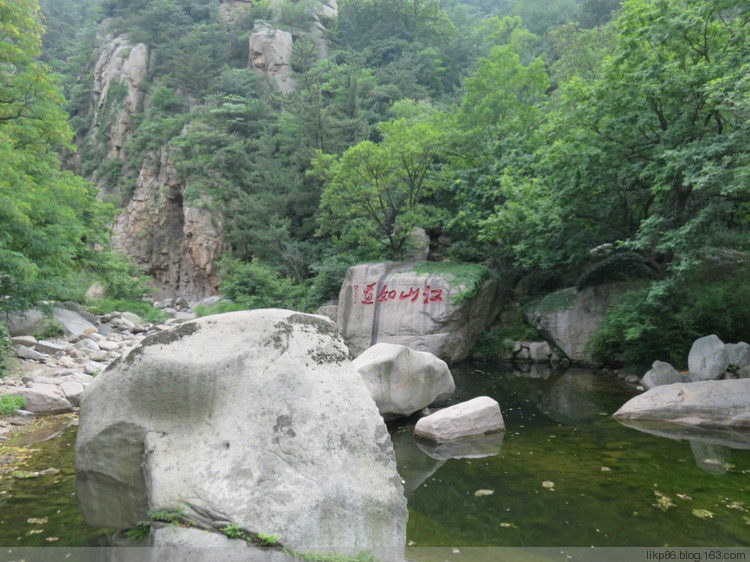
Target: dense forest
[566,143]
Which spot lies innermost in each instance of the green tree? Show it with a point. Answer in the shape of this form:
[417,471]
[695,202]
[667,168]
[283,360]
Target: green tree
[43,211]
[653,153]
[376,194]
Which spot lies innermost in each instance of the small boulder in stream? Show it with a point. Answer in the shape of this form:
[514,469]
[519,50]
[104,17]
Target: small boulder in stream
[254,418]
[475,417]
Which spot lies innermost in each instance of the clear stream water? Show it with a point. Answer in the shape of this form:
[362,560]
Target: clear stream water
[564,473]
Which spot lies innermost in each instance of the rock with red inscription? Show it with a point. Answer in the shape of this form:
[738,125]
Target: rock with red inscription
[434,306]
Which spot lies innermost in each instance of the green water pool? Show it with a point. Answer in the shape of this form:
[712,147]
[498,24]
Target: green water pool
[563,473]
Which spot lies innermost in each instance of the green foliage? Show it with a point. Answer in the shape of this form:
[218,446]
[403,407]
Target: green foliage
[362,556]
[234,531]
[167,515]
[10,404]
[500,339]
[52,329]
[470,276]
[143,309]
[267,540]
[218,308]
[255,285]
[379,192]
[48,217]
[140,532]
[662,321]
[620,266]
[6,349]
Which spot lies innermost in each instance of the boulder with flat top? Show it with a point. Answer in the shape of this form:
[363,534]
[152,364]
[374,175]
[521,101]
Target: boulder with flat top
[468,419]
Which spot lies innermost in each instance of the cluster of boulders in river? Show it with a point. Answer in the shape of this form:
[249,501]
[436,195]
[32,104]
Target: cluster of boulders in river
[250,419]
[714,392]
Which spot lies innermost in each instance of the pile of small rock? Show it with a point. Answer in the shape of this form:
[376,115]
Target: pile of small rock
[53,373]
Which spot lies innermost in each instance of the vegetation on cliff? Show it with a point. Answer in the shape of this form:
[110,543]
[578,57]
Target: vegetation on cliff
[516,135]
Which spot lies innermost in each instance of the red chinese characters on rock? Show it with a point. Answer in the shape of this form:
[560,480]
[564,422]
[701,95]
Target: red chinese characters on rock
[385,295]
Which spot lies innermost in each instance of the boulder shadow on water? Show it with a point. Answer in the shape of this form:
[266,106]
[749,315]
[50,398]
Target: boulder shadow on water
[576,398]
[467,448]
[412,463]
[711,446]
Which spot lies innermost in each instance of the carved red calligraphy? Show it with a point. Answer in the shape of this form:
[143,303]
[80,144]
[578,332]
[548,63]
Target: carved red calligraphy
[387,294]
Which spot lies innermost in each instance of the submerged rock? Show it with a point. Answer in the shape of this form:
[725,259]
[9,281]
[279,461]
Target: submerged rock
[256,418]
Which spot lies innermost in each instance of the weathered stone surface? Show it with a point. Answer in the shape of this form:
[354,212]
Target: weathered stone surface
[87,345]
[568,318]
[174,238]
[477,447]
[708,358]
[72,322]
[170,543]
[27,353]
[72,391]
[474,417]
[25,323]
[45,399]
[26,341]
[120,64]
[709,403]
[45,346]
[252,417]
[540,352]
[738,354]
[271,55]
[403,381]
[390,303]
[660,373]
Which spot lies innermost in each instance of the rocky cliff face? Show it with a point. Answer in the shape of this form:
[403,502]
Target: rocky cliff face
[271,47]
[176,240]
[119,90]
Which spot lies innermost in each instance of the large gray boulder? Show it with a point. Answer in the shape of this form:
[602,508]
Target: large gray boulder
[660,373]
[704,403]
[738,354]
[256,418]
[391,303]
[708,358]
[568,318]
[403,381]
